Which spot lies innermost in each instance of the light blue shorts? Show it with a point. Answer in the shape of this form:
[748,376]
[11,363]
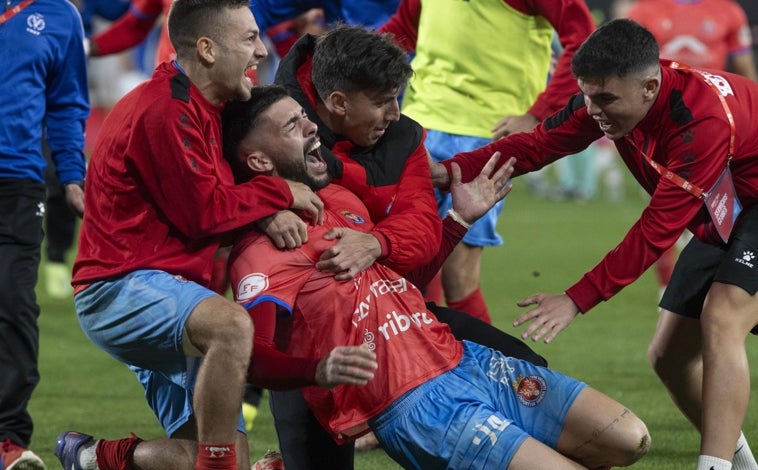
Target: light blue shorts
[443,146]
[478,414]
[139,320]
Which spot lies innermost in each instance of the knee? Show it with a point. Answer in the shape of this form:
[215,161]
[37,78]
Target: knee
[635,443]
[233,331]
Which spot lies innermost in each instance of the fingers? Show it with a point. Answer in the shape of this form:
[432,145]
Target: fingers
[455,178]
[353,365]
[490,165]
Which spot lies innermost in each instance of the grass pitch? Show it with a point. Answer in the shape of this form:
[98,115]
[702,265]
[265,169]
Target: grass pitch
[548,247]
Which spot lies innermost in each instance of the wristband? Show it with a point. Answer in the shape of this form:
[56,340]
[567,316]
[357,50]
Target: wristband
[457,217]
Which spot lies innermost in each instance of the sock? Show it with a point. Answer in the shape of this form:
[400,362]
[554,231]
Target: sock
[474,305]
[433,291]
[706,462]
[216,457]
[88,456]
[743,457]
[117,454]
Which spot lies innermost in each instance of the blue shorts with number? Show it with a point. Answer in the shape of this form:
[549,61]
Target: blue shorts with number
[139,320]
[442,146]
[477,414]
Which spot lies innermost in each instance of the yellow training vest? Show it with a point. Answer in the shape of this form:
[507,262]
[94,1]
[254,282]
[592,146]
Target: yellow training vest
[476,61]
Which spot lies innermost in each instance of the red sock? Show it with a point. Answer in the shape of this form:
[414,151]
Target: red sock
[216,457]
[433,291]
[474,305]
[118,454]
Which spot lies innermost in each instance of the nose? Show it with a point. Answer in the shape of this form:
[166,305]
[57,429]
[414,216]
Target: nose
[310,128]
[592,108]
[260,50]
[393,111]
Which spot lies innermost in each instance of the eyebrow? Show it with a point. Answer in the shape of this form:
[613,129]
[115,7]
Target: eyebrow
[294,119]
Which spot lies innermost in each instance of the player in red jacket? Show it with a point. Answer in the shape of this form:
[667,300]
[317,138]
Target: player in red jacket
[687,136]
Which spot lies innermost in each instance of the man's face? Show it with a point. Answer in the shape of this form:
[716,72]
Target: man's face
[239,51]
[290,140]
[618,104]
[367,116]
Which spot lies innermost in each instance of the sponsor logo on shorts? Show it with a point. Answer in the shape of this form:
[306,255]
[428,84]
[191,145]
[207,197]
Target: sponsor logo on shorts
[251,285]
[530,390]
[747,257]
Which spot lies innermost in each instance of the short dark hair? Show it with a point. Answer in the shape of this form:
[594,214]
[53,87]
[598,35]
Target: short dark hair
[238,118]
[355,59]
[189,20]
[619,47]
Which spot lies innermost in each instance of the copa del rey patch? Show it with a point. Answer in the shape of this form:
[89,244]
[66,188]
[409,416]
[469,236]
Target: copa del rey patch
[251,286]
[530,390]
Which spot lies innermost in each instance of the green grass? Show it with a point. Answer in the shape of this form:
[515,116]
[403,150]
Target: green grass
[548,247]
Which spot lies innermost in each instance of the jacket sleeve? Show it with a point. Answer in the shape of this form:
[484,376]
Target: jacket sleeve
[129,30]
[404,24]
[670,211]
[565,133]
[572,22]
[412,227]
[67,103]
[452,234]
[189,180]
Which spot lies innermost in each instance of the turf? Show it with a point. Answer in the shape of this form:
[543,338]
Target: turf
[548,246]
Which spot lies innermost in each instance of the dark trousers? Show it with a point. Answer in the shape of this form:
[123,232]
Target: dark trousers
[305,444]
[21,213]
[60,220]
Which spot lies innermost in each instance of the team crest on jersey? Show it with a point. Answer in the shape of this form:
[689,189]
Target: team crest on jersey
[251,285]
[530,390]
[353,217]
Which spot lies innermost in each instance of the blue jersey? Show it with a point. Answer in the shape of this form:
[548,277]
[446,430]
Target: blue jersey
[44,81]
[369,13]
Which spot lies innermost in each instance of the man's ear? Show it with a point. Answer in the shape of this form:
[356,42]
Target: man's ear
[336,103]
[651,87]
[259,162]
[206,49]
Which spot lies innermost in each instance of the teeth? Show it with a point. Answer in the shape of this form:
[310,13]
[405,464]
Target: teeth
[315,145]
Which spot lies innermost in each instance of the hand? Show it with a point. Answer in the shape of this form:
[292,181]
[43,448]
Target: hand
[350,365]
[551,316]
[306,200]
[473,199]
[354,252]
[75,198]
[514,124]
[285,228]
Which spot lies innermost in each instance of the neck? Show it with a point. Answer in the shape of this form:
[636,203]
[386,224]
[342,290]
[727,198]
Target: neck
[198,75]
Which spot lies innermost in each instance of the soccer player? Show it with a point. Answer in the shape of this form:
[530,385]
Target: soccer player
[160,200]
[687,137]
[44,97]
[369,353]
[348,82]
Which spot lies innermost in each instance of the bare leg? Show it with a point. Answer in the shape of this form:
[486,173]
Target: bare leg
[600,432]
[534,455]
[728,315]
[675,353]
[223,332]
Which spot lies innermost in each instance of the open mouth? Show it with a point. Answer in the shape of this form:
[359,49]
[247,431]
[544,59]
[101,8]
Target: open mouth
[313,156]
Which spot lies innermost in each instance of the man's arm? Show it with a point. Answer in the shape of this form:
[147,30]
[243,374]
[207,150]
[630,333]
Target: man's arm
[67,110]
[273,369]
[129,30]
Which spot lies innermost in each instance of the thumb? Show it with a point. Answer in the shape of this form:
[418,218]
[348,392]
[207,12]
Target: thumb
[334,233]
[455,178]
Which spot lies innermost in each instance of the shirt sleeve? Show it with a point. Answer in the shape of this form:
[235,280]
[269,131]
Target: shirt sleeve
[412,227]
[129,30]
[403,24]
[67,103]
[573,23]
[269,367]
